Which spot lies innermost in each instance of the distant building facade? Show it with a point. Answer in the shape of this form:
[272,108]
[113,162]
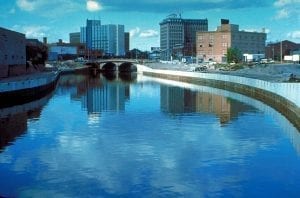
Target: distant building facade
[213,45]
[74,38]
[280,49]
[178,36]
[82,34]
[154,53]
[93,31]
[12,53]
[127,41]
[65,51]
[105,39]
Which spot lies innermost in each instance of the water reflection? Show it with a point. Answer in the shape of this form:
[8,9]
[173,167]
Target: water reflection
[176,100]
[158,146]
[13,120]
[97,94]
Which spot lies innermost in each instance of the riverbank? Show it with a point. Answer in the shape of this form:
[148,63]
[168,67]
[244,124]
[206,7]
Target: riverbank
[26,88]
[266,72]
[284,97]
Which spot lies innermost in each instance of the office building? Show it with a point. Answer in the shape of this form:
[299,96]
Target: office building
[127,41]
[213,45]
[74,37]
[120,40]
[82,34]
[107,39]
[12,53]
[178,36]
[93,31]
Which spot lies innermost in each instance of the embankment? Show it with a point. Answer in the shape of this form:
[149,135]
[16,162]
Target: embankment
[284,97]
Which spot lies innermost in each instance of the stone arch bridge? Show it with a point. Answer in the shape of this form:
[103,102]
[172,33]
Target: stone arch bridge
[114,65]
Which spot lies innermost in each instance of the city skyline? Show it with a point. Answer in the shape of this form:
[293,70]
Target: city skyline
[51,19]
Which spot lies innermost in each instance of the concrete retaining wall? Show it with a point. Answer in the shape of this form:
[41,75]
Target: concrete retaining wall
[27,83]
[284,97]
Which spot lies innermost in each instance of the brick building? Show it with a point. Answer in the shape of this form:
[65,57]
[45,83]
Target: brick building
[213,45]
[273,50]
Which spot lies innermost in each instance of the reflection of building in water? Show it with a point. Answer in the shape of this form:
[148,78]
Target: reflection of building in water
[13,126]
[106,98]
[176,100]
[95,94]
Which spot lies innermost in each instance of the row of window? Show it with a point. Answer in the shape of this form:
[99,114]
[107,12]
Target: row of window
[224,36]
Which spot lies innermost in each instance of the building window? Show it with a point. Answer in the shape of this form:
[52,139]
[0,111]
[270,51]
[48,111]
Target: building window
[201,45]
[224,44]
[5,57]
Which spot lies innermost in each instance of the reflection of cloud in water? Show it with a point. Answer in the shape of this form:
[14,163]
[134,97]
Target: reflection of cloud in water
[93,119]
[177,162]
[186,155]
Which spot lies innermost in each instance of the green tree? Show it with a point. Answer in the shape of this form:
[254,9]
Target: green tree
[234,55]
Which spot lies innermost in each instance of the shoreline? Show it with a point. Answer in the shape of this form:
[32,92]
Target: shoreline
[280,96]
[268,72]
[23,89]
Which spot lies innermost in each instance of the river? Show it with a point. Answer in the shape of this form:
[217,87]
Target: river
[136,136]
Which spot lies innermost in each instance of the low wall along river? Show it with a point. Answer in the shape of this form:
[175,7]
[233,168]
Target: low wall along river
[284,97]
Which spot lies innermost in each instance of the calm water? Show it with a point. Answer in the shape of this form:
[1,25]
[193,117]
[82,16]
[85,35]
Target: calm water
[100,137]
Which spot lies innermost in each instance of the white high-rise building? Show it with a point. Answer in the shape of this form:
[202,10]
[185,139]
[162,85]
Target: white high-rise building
[106,38]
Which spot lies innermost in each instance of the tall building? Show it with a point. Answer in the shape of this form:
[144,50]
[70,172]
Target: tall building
[178,36]
[12,53]
[93,32]
[120,40]
[82,34]
[74,38]
[108,39]
[213,45]
[127,41]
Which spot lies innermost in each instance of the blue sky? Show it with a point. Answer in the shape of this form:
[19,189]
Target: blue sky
[55,19]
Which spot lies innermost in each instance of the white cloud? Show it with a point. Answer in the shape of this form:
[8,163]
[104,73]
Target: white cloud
[287,9]
[49,9]
[294,34]
[282,14]
[149,34]
[281,3]
[266,30]
[93,6]
[134,32]
[32,31]
[26,5]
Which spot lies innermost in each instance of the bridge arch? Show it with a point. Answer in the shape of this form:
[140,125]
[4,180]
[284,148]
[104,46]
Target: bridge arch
[127,67]
[109,67]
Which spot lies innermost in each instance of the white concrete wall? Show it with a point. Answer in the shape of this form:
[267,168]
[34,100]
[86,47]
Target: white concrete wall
[27,83]
[290,91]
